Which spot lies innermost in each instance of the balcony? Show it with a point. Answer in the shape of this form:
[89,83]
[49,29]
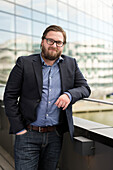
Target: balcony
[91,148]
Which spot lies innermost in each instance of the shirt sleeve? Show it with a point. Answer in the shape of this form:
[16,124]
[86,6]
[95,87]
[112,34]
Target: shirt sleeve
[69,95]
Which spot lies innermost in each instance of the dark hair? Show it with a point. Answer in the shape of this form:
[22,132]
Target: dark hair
[56,29]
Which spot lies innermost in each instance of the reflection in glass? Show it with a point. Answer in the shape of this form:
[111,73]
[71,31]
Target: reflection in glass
[7,40]
[22,53]
[7,55]
[6,5]
[25,12]
[23,43]
[39,5]
[6,63]
[36,45]
[6,22]
[23,25]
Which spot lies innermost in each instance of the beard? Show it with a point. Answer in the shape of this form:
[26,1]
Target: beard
[51,53]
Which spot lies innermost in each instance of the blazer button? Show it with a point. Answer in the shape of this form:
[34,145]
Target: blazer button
[38,100]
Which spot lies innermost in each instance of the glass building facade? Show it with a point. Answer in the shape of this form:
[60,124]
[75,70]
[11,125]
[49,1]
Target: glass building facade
[89,28]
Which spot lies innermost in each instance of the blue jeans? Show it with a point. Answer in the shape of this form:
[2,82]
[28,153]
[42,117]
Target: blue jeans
[37,151]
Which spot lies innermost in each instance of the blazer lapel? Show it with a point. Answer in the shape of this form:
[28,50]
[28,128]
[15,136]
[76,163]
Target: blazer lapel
[37,65]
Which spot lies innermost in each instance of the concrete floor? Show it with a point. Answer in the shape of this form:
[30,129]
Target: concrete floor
[6,161]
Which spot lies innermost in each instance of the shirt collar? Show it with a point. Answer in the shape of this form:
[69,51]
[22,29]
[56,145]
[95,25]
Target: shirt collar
[57,61]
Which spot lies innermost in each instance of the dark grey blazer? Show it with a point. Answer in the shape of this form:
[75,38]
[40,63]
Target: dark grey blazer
[24,90]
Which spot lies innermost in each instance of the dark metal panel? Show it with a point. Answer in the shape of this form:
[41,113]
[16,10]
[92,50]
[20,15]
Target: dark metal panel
[83,146]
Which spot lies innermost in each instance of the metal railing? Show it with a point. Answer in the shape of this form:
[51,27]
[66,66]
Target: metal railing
[98,101]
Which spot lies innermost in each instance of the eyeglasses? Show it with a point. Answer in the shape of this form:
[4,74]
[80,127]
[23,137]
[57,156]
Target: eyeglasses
[51,42]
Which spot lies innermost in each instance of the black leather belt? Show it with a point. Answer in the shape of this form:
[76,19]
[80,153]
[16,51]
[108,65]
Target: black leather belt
[42,129]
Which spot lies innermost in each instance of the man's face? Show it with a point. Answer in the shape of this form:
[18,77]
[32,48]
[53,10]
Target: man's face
[52,51]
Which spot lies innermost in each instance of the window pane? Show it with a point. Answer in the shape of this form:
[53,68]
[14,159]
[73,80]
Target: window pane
[62,13]
[94,8]
[72,15]
[88,7]
[80,18]
[63,23]
[36,45]
[7,54]
[7,22]
[23,43]
[81,29]
[38,29]
[72,37]
[38,16]
[26,3]
[88,20]
[7,40]
[7,59]
[65,1]
[6,5]
[94,23]
[52,7]
[23,11]
[81,5]
[80,37]
[51,20]
[23,53]
[11,0]
[23,25]
[39,5]
[72,27]
[72,2]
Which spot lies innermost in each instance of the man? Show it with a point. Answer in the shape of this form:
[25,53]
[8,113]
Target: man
[38,102]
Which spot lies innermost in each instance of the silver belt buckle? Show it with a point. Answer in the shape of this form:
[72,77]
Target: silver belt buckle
[39,129]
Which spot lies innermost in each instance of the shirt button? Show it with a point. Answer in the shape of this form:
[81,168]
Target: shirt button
[49,89]
[46,114]
[49,102]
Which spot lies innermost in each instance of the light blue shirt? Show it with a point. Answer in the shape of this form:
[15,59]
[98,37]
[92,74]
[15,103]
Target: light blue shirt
[47,111]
